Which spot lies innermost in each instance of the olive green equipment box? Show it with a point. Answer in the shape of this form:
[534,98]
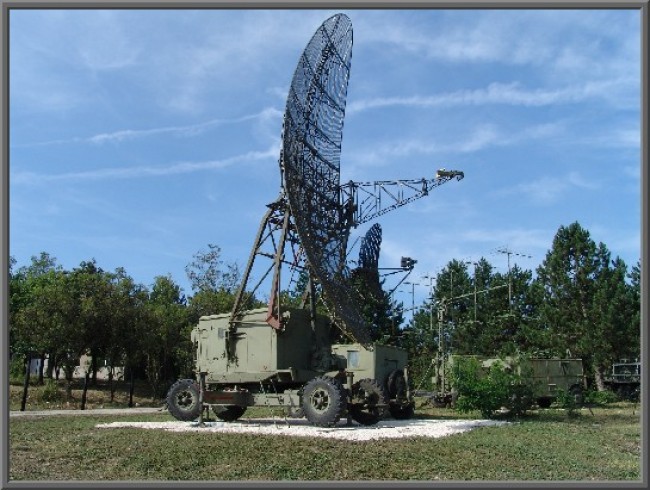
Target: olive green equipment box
[296,368]
[548,377]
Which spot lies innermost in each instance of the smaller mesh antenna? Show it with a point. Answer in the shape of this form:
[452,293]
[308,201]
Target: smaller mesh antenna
[369,249]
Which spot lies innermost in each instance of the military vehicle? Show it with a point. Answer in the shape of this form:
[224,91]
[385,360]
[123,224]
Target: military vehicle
[625,379]
[286,356]
[297,368]
[548,377]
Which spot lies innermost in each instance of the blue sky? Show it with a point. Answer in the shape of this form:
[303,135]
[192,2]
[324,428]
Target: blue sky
[140,136]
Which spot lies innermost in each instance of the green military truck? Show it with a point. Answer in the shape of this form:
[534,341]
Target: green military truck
[296,368]
[548,376]
[625,379]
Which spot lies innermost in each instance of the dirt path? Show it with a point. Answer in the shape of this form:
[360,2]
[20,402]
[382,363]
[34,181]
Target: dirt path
[94,411]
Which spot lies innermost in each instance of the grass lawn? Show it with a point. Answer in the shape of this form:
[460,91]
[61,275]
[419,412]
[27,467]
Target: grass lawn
[545,445]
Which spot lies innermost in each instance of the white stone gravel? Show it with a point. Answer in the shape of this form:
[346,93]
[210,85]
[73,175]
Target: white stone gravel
[385,429]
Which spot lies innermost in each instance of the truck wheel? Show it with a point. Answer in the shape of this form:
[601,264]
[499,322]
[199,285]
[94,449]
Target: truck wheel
[228,413]
[369,402]
[400,407]
[323,401]
[183,400]
[401,412]
[396,384]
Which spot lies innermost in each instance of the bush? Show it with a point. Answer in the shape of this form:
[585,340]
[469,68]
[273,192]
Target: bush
[17,370]
[50,392]
[521,397]
[488,392]
[601,398]
[567,400]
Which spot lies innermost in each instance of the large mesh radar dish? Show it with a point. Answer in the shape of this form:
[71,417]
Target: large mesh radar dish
[311,150]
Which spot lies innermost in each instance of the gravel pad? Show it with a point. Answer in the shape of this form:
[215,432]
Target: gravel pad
[386,429]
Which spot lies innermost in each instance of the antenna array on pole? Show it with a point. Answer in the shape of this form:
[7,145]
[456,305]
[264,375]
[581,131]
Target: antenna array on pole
[506,250]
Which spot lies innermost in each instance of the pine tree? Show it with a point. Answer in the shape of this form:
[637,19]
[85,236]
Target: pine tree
[586,307]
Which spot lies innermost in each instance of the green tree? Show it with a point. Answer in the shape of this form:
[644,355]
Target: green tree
[381,313]
[208,302]
[634,291]
[206,271]
[614,309]
[214,288]
[127,325]
[585,303]
[166,346]
[420,338]
[508,324]
[451,282]
[35,313]
[96,311]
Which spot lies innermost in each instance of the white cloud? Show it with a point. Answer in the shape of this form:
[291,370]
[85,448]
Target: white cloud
[549,189]
[58,57]
[560,38]
[235,46]
[627,138]
[518,239]
[102,41]
[144,171]
[495,93]
[264,116]
[472,140]
[633,171]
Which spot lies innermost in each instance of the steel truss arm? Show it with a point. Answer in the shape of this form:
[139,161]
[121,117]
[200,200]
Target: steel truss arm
[368,200]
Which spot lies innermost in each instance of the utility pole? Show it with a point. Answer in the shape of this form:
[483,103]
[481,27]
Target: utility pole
[430,278]
[475,264]
[439,354]
[413,284]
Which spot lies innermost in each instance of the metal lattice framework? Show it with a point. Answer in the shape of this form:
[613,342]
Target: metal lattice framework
[370,200]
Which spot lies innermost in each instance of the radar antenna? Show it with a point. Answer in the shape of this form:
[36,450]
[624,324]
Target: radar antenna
[308,226]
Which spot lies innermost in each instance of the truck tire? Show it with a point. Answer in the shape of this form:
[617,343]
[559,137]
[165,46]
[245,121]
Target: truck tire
[401,412]
[369,402]
[399,407]
[396,384]
[228,413]
[183,400]
[323,401]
